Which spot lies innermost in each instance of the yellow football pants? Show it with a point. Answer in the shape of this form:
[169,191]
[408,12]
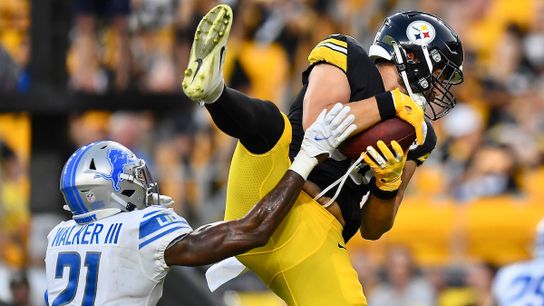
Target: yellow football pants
[304,262]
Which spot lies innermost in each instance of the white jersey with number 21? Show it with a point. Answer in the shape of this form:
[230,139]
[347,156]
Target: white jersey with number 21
[118,260]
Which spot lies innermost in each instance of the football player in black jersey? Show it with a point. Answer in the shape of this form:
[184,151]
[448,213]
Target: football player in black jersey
[413,51]
[409,70]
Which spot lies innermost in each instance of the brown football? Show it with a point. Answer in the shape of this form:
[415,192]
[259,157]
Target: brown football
[387,130]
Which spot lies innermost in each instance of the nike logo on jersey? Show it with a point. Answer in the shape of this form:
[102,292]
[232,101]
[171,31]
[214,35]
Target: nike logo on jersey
[199,64]
[341,246]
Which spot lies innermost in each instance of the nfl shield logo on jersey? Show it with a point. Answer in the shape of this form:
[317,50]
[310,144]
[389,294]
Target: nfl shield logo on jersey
[90,196]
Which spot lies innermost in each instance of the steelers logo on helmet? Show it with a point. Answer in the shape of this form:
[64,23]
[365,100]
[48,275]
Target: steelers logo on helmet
[420,32]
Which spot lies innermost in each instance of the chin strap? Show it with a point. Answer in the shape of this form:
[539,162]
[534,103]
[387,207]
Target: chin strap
[427,58]
[95,215]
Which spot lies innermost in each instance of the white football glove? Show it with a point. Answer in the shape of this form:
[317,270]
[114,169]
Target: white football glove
[329,130]
[166,201]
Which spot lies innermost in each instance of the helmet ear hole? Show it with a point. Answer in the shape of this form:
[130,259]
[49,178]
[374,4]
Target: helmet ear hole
[92,166]
[128,192]
[410,56]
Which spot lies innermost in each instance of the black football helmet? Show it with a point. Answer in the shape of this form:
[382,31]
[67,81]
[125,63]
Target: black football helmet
[428,55]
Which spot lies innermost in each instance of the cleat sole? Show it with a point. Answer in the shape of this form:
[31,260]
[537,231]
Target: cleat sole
[210,37]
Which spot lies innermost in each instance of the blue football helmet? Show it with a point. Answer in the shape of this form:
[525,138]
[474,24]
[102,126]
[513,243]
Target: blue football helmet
[104,178]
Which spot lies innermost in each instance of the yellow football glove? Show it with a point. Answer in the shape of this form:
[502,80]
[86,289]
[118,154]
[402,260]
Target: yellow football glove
[387,167]
[409,111]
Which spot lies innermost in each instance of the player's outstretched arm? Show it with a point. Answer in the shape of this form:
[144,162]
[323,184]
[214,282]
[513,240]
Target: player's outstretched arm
[214,242]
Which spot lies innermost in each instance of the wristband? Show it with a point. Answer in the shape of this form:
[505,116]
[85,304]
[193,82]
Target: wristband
[303,164]
[386,105]
[381,194]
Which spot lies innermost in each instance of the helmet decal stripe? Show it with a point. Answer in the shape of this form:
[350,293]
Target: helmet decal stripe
[77,196]
[68,181]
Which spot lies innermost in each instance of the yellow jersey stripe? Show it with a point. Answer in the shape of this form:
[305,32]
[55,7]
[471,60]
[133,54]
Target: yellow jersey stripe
[424,157]
[334,47]
[335,41]
[331,52]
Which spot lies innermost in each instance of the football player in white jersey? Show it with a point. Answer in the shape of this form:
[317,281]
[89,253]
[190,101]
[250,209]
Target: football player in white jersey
[121,240]
[522,284]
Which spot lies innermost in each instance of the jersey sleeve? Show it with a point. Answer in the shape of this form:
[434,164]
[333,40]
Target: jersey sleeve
[157,229]
[419,154]
[333,50]
[348,55]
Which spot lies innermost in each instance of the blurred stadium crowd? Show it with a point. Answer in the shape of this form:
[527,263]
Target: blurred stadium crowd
[470,209]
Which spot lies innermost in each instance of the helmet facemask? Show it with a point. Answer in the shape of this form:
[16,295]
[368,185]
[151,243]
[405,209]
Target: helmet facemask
[440,100]
[430,90]
[142,177]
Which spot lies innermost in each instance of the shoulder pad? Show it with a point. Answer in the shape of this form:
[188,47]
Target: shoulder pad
[332,50]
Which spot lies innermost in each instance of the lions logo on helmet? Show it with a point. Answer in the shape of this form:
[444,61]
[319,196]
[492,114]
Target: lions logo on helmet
[118,160]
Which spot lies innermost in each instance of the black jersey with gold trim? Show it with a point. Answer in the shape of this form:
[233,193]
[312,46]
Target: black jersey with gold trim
[365,81]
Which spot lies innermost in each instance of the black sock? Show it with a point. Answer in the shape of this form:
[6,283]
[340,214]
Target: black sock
[258,124]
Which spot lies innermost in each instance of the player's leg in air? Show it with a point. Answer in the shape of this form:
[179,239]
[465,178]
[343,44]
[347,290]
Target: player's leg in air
[258,124]
[304,262]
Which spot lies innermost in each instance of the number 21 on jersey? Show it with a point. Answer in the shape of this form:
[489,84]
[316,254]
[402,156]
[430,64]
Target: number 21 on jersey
[72,262]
